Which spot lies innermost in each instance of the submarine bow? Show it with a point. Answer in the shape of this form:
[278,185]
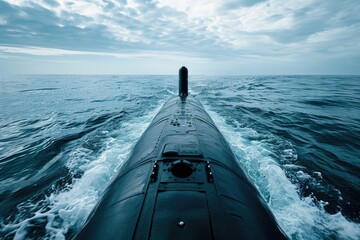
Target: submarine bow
[181,181]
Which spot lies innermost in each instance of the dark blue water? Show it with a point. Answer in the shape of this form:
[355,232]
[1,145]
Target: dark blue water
[63,138]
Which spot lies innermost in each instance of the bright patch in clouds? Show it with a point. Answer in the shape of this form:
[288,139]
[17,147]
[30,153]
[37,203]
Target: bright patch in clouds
[211,37]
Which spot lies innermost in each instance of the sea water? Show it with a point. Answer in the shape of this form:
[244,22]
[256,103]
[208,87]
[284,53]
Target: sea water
[64,137]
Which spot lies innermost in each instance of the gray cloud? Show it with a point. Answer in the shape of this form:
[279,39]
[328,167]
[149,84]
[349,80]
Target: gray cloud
[239,3]
[216,30]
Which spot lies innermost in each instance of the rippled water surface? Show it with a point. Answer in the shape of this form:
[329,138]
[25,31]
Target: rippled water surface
[63,138]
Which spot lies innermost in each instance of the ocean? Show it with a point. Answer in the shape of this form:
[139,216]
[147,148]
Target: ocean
[64,137]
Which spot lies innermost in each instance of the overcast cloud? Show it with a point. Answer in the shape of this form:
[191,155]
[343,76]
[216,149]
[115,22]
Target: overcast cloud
[158,36]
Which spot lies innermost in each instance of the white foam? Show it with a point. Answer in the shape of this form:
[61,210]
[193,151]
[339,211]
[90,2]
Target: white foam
[299,217]
[70,207]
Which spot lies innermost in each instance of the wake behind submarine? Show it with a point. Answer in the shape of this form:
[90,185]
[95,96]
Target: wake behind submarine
[181,181]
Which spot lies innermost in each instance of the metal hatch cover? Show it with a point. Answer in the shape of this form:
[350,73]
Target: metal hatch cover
[174,173]
[181,215]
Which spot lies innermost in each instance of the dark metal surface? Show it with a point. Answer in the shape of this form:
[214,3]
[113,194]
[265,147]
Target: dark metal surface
[181,181]
[183,82]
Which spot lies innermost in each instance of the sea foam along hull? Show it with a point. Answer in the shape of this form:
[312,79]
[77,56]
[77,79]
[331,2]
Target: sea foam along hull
[181,181]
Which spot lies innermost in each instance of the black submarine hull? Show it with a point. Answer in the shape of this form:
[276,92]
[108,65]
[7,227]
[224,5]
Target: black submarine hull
[181,181]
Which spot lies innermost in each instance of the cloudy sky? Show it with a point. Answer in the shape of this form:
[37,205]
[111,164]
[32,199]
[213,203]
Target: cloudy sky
[158,36]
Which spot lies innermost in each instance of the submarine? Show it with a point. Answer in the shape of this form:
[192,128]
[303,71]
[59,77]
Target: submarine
[181,181]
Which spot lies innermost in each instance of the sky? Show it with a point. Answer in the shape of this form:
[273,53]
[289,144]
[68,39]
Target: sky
[215,37]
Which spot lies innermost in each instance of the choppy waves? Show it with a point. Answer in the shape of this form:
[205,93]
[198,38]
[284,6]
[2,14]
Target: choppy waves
[268,161]
[63,138]
[89,166]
